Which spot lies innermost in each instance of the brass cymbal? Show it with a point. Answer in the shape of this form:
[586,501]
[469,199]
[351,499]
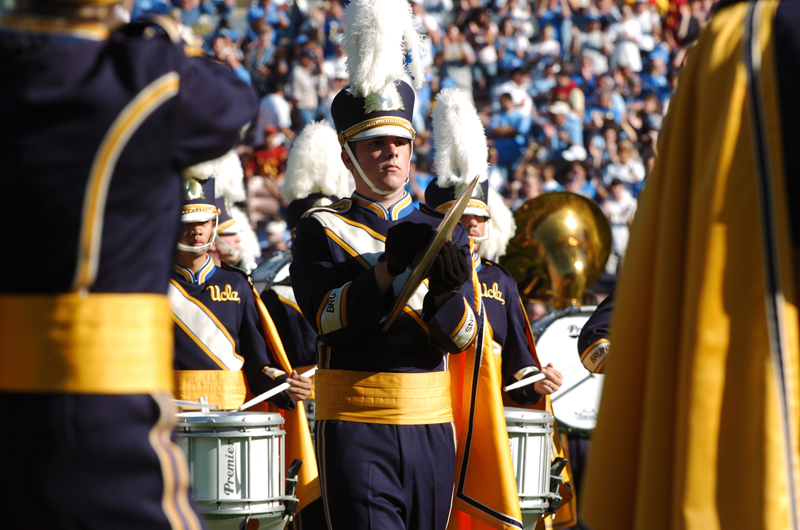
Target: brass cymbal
[421,266]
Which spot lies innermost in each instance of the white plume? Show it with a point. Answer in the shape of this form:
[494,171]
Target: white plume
[377,35]
[501,226]
[461,150]
[249,247]
[315,165]
[227,172]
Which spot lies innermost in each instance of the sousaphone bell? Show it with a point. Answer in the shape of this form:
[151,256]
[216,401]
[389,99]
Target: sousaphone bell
[561,246]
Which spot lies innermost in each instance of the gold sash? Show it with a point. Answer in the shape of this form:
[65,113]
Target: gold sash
[92,344]
[383,397]
[225,388]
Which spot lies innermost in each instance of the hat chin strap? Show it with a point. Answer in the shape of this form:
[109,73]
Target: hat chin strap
[361,173]
[202,248]
[484,237]
[223,244]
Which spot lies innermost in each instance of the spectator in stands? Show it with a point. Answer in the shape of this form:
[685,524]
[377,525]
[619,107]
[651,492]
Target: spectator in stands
[302,88]
[518,86]
[592,43]
[274,110]
[226,51]
[457,58]
[481,34]
[509,128]
[564,131]
[512,48]
[619,207]
[558,15]
[627,169]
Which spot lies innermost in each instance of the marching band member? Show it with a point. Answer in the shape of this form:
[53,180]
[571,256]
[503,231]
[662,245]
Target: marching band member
[235,243]
[504,308]
[461,154]
[384,434]
[593,342]
[700,409]
[219,339]
[96,121]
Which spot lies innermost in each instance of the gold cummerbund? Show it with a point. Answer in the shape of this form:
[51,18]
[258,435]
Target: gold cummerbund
[383,397]
[225,388]
[104,343]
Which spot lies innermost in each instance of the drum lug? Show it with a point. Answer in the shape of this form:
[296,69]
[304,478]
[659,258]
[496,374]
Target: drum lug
[291,502]
[555,482]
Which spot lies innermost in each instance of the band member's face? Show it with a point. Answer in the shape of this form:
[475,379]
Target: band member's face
[196,234]
[385,161]
[229,252]
[474,225]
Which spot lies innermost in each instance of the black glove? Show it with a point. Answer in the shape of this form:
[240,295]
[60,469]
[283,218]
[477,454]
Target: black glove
[450,270]
[403,241]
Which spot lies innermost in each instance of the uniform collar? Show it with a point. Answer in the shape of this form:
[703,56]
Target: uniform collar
[206,271]
[396,211]
[55,28]
[477,262]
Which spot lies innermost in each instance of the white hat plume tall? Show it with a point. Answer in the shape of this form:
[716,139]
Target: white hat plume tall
[461,149]
[378,34]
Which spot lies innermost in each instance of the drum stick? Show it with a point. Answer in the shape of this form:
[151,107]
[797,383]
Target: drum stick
[524,382]
[535,378]
[194,405]
[275,391]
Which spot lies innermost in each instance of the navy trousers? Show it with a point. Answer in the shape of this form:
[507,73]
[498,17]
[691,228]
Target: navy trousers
[386,477]
[75,461]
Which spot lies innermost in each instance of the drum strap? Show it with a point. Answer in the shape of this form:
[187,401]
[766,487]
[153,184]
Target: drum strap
[100,343]
[225,388]
[383,397]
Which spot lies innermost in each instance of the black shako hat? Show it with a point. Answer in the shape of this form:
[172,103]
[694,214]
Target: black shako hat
[359,118]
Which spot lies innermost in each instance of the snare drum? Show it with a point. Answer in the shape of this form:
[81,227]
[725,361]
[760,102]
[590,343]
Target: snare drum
[529,435]
[576,403]
[236,464]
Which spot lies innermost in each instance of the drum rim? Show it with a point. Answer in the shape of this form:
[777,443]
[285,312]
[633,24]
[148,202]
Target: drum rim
[231,418]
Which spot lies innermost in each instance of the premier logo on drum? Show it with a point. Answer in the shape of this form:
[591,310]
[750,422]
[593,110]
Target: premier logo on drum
[586,415]
[230,456]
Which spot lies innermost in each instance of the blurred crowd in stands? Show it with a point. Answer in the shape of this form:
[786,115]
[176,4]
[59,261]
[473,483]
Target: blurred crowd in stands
[572,93]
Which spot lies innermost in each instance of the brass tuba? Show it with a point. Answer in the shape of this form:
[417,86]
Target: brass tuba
[562,243]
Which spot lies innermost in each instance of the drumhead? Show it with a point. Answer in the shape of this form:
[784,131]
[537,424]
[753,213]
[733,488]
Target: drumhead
[230,418]
[577,402]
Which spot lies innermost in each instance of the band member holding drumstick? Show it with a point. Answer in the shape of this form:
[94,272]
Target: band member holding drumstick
[503,305]
[593,342]
[219,340]
[384,434]
[96,120]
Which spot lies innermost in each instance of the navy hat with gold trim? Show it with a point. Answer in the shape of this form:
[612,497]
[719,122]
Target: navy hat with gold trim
[198,201]
[378,36]
[226,224]
[441,199]
[358,119]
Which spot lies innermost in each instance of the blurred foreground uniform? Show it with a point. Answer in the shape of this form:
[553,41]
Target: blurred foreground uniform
[94,128]
[699,416]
